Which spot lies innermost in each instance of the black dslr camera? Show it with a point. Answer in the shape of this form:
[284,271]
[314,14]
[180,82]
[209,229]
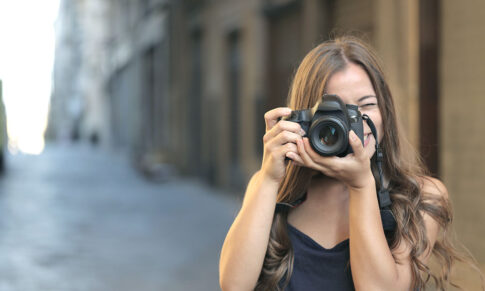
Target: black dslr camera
[327,125]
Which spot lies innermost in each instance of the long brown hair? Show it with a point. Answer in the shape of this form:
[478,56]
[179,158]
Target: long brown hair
[402,166]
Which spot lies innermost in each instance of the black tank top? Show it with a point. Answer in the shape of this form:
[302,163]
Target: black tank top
[317,268]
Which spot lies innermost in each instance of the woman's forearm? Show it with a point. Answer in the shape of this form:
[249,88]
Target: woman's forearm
[244,248]
[372,264]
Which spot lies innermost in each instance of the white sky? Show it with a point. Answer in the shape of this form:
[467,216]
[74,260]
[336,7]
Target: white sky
[26,60]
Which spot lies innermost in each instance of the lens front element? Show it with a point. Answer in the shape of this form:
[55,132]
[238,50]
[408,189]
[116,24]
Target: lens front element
[329,135]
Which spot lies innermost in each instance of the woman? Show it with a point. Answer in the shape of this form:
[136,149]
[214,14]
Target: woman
[334,239]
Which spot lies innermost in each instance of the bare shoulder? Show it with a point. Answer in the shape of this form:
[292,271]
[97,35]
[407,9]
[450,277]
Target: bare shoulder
[436,196]
[433,188]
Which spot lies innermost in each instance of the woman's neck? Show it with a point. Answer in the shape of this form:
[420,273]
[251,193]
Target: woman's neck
[324,214]
[327,192]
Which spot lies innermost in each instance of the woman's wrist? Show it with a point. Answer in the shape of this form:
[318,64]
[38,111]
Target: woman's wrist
[267,178]
[260,189]
[366,182]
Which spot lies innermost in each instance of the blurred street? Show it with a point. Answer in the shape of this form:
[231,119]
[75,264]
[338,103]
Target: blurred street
[78,218]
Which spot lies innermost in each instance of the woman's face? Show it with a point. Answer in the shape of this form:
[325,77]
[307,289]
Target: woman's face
[354,87]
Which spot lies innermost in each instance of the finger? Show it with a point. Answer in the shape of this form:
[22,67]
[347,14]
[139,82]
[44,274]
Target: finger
[326,165]
[285,137]
[305,156]
[282,126]
[325,161]
[271,117]
[356,145]
[289,147]
[295,158]
[282,150]
[309,149]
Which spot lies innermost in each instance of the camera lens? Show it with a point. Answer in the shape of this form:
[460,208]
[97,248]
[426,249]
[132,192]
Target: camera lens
[329,135]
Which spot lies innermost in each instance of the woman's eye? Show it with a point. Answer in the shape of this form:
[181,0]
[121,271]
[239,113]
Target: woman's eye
[368,105]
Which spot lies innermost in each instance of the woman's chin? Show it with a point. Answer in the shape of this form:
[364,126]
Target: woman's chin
[317,174]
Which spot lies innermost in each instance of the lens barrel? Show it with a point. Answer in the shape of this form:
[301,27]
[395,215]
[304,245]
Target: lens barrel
[329,136]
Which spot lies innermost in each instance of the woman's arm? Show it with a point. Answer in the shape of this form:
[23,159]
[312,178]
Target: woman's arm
[373,267]
[244,248]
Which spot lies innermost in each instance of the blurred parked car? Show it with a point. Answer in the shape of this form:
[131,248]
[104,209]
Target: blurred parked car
[3,132]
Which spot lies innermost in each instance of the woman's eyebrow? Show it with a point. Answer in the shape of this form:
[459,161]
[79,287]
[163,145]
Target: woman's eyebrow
[365,97]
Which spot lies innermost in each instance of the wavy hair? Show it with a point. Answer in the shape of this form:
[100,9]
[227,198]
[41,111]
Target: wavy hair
[403,170]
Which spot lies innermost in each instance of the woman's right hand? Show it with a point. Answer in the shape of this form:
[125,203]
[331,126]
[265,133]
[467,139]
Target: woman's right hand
[279,143]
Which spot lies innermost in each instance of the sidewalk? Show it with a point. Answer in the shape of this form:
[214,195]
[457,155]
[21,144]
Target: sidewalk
[75,218]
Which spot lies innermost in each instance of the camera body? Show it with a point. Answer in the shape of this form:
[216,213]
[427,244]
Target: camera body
[327,125]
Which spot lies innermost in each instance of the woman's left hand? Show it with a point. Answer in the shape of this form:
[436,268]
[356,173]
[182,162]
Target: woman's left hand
[354,169]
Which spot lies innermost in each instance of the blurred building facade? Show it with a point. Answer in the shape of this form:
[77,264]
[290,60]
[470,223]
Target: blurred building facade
[234,60]
[111,75]
[138,79]
[187,82]
[66,100]
[461,119]
[79,105]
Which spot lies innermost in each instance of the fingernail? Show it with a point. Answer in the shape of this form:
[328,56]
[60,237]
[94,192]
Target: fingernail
[302,132]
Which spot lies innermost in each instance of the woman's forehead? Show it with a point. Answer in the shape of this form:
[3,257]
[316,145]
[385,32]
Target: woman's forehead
[351,84]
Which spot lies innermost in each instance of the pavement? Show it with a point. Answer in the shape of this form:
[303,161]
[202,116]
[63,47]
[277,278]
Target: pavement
[81,218]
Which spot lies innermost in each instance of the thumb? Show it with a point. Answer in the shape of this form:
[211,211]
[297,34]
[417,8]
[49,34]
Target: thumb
[356,144]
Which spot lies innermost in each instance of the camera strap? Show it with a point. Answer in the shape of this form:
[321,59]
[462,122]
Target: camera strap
[384,198]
